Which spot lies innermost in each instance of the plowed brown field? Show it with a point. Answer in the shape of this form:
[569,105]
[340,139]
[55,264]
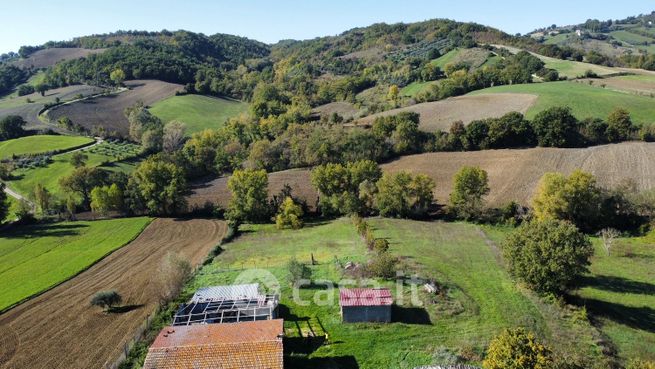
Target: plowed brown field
[439,115]
[108,111]
[47,57]
[513,174]
[59,329]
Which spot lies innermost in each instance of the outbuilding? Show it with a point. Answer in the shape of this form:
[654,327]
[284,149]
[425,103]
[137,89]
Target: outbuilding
[245,345]
[365,305]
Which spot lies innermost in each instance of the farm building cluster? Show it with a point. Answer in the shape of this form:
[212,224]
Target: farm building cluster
[238,327]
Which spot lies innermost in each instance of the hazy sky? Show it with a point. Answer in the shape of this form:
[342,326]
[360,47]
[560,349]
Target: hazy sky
[32,22]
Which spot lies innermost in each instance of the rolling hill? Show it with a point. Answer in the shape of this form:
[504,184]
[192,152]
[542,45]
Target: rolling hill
[198,112]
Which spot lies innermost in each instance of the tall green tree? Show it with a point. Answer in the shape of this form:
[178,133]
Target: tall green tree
[339,185]
[117,76]
[401,195]
[619,125]
[576,198]
[159,186]
[556,127]
[249,201]
[81,181]
[4,203]
[548,256]
[11,126]
[470,185]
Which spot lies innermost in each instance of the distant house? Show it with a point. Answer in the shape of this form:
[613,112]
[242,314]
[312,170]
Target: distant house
[365,305]
[227,304]
[247,345]
[578,32]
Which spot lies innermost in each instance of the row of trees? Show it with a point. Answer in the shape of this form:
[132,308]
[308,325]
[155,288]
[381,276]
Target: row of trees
[553,127]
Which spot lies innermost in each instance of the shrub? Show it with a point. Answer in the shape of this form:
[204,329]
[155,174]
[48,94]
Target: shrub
[517,349]
[380,245]
[106,299]
[548,256]
[298,271]
[640,364]
[382,265]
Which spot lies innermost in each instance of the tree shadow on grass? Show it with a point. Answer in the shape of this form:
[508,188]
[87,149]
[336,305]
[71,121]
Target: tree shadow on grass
[339,362]
[642,318]
[618,284]
[410,315]
[47,230]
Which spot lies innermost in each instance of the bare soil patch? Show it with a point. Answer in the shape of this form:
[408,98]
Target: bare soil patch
[216,191]
[513,174]
[107,111]
[48,57]
[59,329]
[439,115]
[343,108]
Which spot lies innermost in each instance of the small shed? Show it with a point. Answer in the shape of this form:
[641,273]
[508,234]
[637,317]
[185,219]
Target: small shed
[365,305]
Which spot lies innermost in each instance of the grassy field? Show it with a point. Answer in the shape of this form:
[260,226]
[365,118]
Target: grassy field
[584,100]
[630,38]
[110,156]
[416,88]
[446,58]
[198,112]
[621,294]
[481,298]
[573,69]
[35,258]
[40,144]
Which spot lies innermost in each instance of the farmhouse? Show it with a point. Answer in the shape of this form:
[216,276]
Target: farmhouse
[365,305]
[246,345]
[227,304]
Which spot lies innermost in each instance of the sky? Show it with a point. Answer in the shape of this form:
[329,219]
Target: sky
[32,22]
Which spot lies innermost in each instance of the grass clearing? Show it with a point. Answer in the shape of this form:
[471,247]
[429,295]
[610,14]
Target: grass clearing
[481,298]
[109,156]
[198,112]
[415,88]
[620,293]
[35,258]
[40,144]
[445,59]
[584,100]
[631,38]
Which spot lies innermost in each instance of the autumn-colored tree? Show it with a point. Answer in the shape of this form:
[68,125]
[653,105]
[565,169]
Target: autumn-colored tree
[289,215]
[117,76]
[517,349]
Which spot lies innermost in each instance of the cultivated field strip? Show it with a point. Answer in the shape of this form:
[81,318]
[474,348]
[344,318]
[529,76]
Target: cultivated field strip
[60,329]
[439,115]
[50,56]
[513,174]
[108,111]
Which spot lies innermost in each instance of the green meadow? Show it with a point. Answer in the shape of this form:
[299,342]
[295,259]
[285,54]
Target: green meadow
[198,112]
[583,99]
[40,144]
[38,257]
[480,298]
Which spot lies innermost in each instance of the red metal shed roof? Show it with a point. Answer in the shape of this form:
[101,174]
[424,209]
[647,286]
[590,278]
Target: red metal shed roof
[365,297]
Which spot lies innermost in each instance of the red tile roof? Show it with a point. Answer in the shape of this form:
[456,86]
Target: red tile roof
[365,297]
[246,345]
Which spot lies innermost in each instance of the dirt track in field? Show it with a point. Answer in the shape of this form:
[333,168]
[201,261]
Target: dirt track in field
[59,329]
[108,111]
[47,57]
[439,115]
[513,174]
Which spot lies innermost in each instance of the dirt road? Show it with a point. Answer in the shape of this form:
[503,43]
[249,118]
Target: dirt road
[59,329]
